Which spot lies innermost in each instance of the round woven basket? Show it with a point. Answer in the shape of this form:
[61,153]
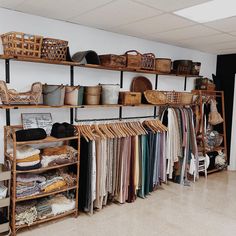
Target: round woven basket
[186,98]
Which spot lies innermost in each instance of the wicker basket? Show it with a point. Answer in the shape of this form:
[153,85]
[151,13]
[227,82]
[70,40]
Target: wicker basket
[186,98]
[133,59]
[11,96]
[21,44]
[162,97]
[54,49]
[148,61]
[163,65]
[130,98]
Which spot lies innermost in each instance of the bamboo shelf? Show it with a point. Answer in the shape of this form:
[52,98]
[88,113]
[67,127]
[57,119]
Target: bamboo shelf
[90,66]
[46,194]
[10,131]
[48,219]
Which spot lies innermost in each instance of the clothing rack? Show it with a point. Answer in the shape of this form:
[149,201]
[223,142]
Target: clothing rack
[107,119]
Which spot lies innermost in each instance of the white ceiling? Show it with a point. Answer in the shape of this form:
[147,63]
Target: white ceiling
[149,19]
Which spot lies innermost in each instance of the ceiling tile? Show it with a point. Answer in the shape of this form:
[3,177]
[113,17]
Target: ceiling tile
[186,33]
[170,5]
[59,9]
[209,40]
[156,24]
[10,3]
[225,25]
[116,13]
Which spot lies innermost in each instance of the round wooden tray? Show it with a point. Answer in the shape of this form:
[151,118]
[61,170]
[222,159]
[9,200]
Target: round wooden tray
[141,84]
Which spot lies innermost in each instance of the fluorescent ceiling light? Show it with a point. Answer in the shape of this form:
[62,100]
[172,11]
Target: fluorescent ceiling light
[209,11]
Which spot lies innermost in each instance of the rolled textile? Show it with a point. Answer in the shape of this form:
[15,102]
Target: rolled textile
[24,151]
[29,159]
[33,167]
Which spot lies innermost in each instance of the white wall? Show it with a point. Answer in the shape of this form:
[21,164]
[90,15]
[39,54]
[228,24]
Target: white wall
[232,165]
[84,38]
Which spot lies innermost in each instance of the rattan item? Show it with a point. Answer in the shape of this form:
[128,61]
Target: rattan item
[133,59]
[186,98]
[182,67]
[54,49]
[112,60]
[140,84]
[11,96]
[148,61]
[162,97]
[21,44]
[163,65]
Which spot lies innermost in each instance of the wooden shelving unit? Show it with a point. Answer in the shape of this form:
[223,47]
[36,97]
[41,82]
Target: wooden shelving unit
[220,96]
[71,65]
[5,177]
[10,136]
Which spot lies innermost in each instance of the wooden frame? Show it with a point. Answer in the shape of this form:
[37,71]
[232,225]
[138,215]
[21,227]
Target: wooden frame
[10,131]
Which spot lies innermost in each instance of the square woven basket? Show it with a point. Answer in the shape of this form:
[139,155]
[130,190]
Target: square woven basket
[54,49]
[21,44]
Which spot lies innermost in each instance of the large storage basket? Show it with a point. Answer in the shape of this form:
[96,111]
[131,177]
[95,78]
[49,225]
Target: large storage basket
[11,96]
[72,95]
[54,49]
[163,65]
[182,67]
[133,59]
[92,95]
[21,44]
[53,95]
[186,98]
[111,60]
[162,97]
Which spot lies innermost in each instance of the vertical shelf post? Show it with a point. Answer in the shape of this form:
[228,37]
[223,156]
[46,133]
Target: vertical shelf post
[121,86]
[156,85]
[71,84]
[7,79]
[185,83]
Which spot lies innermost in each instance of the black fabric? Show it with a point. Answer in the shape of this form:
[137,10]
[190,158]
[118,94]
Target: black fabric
[3,218]
[68,56]
[30,134]
[37,166]
[83,180]
[62,130]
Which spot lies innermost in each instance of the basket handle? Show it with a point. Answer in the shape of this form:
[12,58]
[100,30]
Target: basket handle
[132,51]
[150,54]
[76,87]
[54,90]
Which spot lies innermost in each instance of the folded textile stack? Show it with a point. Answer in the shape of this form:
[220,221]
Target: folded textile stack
[58,155]
[61,204]
[26,213]
[28,184]
[51,184]
[27,158]
[44,209]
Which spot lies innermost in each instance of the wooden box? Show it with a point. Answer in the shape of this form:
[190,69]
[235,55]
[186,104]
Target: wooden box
[133,59]
[130,98]
[112,60]
[163,65]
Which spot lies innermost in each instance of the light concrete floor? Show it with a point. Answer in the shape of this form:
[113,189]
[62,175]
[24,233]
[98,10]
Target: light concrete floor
[207,208]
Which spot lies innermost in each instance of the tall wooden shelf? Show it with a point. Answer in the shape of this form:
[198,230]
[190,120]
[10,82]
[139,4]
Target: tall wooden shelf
[218,95]
[10,136]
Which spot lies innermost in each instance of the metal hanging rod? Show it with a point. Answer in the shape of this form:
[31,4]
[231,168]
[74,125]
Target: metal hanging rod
[118,119]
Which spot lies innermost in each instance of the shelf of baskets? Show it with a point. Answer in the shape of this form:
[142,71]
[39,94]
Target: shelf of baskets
[5,177]
[10,138]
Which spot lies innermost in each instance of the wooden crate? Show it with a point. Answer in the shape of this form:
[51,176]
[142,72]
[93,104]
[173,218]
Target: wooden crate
[112,60]
[133,59]
[148,61]
[163,65]
[130,98]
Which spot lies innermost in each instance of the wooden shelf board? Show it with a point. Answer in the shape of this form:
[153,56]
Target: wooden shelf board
[46,168]
[90,66]
[86,106]
[47,219]
[49,139]
[45,194]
